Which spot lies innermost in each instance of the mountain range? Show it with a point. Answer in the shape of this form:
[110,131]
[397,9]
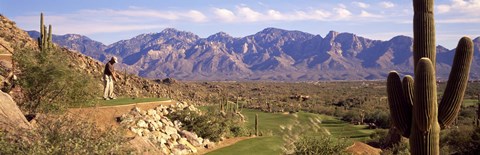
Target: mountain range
[271,54]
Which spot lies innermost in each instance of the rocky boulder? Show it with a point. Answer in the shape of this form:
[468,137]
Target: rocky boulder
[11,118]
[166,134]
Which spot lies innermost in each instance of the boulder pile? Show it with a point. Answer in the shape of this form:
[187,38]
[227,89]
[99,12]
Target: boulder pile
[166,134]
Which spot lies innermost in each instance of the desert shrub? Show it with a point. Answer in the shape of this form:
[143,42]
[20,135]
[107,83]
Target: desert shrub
[461,140]
[65,135]
[339,112]
[388,139]
[49,84]
[379,117]
[238,130]
[468,112]
[378,137]
[352,115]
[397,149]
[321,144]
[212,124]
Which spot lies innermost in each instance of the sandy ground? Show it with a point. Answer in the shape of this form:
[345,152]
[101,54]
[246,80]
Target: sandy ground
[359,148]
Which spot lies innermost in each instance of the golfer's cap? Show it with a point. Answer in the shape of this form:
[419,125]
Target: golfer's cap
[114,59]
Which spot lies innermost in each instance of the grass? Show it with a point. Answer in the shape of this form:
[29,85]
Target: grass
[469,102]
[260,145]
[341,129]
[269,144]
[124,101]
[273,143]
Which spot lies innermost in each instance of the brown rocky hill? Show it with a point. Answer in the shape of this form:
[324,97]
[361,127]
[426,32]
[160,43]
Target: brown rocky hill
[128,85]
[271,54]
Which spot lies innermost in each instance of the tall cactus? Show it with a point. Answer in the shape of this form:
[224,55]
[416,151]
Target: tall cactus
[256,125]
[413,105]
[478,111]
[45,39]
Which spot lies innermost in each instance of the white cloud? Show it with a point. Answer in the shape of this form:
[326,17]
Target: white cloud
[92,21]
[387,4]
[443,8]
[459,11]
[342,12]
[366,14]
[276,15]
[361,5]
[224,14]
[197,16]
[134,12]
[243,13]
[311,15]
[248,14]
[321,14]
[463,6]
[85,25]
[464,20]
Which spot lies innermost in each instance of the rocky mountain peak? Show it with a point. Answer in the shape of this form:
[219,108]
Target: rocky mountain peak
[270,54]
[220,36]
[441,49]
[180,34]
[401,39]
[274,37]
[331,35]
[75,36]
[272,30]
[276,32]
[170,30]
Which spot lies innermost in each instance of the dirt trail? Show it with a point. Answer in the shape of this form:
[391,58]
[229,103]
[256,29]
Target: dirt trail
[106,116]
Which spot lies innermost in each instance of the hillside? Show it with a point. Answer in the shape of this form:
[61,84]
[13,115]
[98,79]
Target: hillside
[11,36]
[271,54]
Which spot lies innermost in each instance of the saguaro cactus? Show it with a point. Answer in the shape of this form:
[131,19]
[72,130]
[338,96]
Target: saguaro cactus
[413,105]
[125,76]
[45,39]
[478,111]
[256,124]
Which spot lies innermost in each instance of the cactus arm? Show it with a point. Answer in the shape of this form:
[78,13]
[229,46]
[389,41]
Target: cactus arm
[49,40]
[425,95]
[400,109]
[39,42]
[457,83]
[42,33]
[425,129]
[408,89]
[45,37]
[423,31]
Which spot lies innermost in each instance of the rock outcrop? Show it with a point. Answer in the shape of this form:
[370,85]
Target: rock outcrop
[166,134]
[11,118]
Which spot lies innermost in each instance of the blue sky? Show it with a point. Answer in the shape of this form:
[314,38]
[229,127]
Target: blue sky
[109,21]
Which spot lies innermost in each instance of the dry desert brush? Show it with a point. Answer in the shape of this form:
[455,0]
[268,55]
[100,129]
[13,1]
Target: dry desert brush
[413,104]
[64,134]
